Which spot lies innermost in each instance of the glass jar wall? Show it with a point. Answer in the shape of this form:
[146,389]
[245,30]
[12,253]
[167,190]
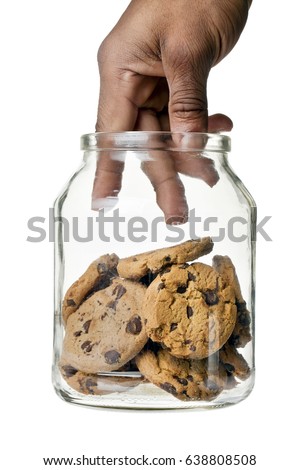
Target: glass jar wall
[154,274]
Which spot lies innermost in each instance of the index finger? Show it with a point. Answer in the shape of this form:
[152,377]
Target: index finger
[121,94]
[115,113]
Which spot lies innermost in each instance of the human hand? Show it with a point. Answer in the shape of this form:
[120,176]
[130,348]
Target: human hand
[154,67]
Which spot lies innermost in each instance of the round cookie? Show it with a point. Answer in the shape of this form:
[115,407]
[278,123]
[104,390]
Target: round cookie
[241,334]
[138,266]
[92,384]
[107,330]
[97,276]
[234,363]
[185,379]
[189,309]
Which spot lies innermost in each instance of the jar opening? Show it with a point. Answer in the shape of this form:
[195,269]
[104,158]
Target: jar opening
[156,140]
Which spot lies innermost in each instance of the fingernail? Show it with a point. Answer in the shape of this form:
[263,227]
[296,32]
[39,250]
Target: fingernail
[104,203]
[176,220]
[213,181]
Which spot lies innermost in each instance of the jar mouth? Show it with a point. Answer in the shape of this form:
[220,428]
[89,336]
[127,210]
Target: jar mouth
[156,140]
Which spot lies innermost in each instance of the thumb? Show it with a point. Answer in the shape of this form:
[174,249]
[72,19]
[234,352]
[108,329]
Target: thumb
[187,80]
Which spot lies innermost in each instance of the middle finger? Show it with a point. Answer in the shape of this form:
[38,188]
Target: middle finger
[160,169]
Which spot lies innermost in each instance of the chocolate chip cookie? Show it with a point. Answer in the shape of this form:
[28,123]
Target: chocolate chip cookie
[108,328]
[241,334]
[97,276]
[92,384]
[183,378]
[190,310]
[234,363]
[138,266]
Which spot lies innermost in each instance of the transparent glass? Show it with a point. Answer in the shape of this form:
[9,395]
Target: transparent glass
[168,329]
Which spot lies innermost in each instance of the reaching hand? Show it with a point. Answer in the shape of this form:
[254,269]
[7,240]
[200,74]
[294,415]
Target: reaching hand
[154,67]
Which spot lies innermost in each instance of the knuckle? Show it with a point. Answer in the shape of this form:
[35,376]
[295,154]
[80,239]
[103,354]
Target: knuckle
[191,52]
[188,115]
[189,111]
[177,55]
[187,102]
[105,50]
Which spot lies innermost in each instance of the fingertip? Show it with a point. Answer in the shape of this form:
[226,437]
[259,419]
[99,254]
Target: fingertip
[219,123]
[212,178]
[104,203]
[176,219]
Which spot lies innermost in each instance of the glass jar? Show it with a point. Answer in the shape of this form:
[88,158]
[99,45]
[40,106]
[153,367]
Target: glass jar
[154,310]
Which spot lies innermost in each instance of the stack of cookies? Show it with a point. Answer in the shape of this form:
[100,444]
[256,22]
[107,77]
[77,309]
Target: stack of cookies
[178,323]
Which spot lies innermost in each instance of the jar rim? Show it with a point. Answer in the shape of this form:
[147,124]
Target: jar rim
[156,140]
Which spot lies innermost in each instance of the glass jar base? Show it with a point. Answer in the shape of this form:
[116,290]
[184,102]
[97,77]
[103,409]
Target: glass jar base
[147,396]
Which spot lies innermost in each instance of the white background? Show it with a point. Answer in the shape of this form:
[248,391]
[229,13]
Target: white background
[49,92]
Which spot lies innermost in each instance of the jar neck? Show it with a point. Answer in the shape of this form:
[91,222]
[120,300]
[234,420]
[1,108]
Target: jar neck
[156,141]
[143,156]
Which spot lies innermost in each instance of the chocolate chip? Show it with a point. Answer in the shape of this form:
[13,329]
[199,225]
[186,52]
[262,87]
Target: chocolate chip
[91,383]
[193,348]
[134,326]
[190,378]
[167,258]
[119,290]
[112,356]
[183,266]
[134,259]
[181,380]
[71,303]
[87,346]
[234,340]
[189,311]
[102,268]
[69,371]
[187,341]
[167,387]
[101,284]
[77,333]
[244,319]
[113,304]
[173,326]
[191,276]
[160,286]
[181,289]
[229,368]
[211,297]
[241,306]
[86,326]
